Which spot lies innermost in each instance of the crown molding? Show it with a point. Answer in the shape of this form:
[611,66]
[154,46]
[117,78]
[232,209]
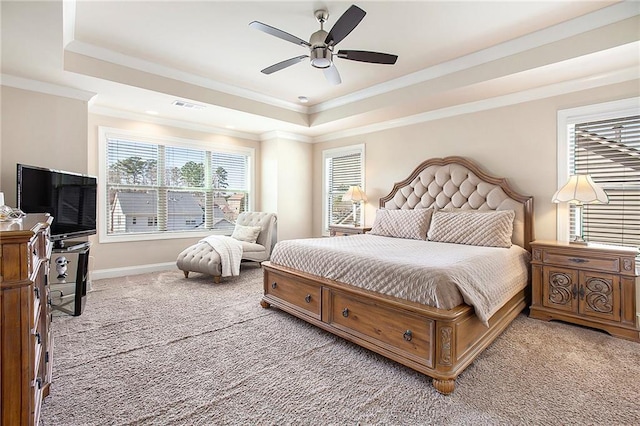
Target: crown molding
[128,115]
[46,88]
[548,91]
[278,134]
[107,55]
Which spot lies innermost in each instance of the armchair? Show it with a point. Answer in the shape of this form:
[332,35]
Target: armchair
[202,258]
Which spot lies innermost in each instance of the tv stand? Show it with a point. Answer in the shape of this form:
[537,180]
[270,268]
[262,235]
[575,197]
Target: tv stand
[69,291]
[69,245]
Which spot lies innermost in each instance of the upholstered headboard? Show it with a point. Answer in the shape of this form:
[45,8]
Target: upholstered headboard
[457,183]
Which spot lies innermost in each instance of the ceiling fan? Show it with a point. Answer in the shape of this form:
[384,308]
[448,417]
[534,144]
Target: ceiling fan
[321,44]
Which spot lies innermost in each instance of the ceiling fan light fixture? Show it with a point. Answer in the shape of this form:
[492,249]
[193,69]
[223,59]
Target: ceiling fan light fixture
[320,57]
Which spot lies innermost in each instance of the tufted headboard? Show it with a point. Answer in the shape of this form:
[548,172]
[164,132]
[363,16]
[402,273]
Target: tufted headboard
[457,183]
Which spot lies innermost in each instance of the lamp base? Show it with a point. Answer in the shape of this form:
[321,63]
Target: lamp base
[578,240]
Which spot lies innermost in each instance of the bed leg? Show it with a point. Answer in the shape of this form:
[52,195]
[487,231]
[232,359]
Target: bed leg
[186,274]
[445,387]
[265,304]
[216,279]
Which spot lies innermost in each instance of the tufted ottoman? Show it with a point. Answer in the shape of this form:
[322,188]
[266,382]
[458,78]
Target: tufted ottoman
[202,258]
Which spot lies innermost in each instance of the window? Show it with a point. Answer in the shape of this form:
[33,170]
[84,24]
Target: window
[163,188]
[343,167]
[603,141]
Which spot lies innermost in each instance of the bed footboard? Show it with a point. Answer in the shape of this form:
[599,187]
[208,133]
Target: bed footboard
[438,343]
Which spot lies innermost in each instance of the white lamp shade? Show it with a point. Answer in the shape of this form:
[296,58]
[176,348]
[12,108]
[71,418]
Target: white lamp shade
[354,194]
[580,189]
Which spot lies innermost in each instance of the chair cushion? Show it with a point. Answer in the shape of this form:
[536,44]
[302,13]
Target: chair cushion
[200,257]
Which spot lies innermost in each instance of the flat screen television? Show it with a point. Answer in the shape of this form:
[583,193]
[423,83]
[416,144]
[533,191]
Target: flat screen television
[69,197]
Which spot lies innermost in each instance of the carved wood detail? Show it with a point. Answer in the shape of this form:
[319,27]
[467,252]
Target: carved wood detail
[445,345]
[560,288]
[599,295]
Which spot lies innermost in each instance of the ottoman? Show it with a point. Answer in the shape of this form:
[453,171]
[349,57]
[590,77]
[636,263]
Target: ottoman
[200,257]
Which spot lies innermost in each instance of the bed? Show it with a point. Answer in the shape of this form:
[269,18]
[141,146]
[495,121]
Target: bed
[443,272]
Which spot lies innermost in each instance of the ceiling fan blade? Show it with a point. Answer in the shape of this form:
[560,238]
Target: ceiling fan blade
[278,33]
[344,25]
[365,56]
[332,75]
[284,64]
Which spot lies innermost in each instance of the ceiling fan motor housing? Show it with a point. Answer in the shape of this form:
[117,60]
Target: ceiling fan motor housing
[320,54]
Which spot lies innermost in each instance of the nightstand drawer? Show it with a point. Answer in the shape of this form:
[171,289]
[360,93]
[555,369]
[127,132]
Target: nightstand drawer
[596,263]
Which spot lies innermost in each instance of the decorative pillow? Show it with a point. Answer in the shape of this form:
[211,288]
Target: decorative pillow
[411,224]
[475,228]
[246,233]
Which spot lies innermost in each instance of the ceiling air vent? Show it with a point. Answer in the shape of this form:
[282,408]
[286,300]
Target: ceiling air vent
[189,105]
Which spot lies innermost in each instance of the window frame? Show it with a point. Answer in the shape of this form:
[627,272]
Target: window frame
[339,152]
[571,116]
[105,133]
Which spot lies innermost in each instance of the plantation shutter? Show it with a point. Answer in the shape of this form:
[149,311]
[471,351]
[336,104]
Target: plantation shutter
[132,180]
[155,188]
[609,150]
[343,171]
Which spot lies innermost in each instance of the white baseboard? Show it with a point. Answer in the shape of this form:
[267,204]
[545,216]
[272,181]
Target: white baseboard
[131,270]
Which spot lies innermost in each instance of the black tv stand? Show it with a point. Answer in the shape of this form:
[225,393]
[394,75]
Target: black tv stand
[70,290]
[68,245]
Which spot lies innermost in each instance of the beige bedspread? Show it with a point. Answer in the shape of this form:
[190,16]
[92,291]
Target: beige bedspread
[441,275]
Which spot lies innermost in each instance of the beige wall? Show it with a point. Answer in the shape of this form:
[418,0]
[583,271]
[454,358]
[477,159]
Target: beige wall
[117,255]
[517,142]
[286,182]
[40,130]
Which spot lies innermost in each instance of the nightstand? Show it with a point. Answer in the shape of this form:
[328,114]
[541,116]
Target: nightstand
[591,285]
[342,230]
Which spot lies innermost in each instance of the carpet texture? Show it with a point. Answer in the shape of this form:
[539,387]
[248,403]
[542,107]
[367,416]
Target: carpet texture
[159,349]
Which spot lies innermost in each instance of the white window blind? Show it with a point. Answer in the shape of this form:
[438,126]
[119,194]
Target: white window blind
[609,150]
[343,168]
[157,188]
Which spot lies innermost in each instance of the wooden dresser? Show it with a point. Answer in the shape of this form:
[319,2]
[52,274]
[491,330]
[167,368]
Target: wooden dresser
[25,314]
[591,285]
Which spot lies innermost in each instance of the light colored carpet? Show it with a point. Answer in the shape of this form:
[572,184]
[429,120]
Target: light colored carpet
[159,349]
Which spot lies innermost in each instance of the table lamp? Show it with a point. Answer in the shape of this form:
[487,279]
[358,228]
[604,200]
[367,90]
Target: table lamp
[580,190]
[356,195]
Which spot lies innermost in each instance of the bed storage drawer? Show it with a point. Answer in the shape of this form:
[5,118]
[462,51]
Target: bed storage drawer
[297,295]
[400,331]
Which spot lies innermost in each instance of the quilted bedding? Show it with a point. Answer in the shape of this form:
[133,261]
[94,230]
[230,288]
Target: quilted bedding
[441,275]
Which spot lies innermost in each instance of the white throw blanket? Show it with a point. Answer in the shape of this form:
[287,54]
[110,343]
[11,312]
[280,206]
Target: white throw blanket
[230,251]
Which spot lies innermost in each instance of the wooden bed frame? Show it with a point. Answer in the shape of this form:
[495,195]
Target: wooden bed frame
[439,343]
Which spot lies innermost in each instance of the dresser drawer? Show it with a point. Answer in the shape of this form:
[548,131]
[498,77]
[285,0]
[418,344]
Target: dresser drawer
[572,260]
[394,329]
[305,297]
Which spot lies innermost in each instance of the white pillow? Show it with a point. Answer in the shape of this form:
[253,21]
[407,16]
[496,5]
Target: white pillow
[412,224]
[246,233]
[475,228]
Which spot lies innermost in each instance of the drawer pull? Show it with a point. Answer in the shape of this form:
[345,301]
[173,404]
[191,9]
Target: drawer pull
[577,260]
[345,312]
[581,292]
[35,333]
[274,284]
[37,383]
[574,291]
[37,292]
[408,335]
[308,298]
